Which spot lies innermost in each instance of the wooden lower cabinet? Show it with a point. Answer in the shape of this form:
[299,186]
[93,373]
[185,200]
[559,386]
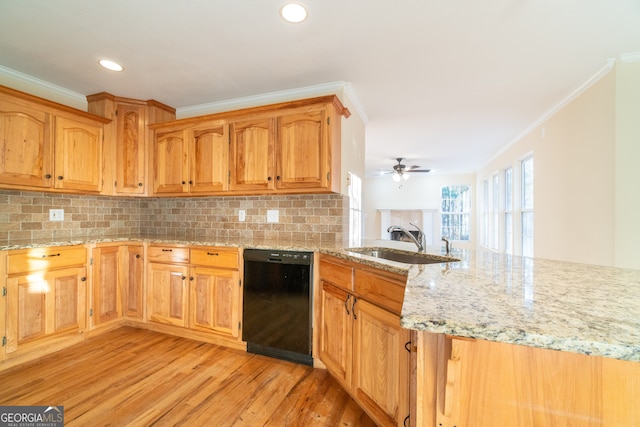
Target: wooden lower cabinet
[198,288]
[116,283]
[214,297]
[167,296]
[380,364]
[465,382]
[106,286]
[132,278]
[44,305]
[362,344]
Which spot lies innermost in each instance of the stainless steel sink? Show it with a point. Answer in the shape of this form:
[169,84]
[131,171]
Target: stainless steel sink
[406,257]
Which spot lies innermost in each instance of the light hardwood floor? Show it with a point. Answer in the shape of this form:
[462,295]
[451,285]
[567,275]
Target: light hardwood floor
[134,377]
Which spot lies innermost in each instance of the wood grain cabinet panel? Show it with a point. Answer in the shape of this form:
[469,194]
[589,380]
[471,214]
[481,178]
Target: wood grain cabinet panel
[209,159]
[167,296]
[215,296]
[132,278]
[361,341]
[131,148]
[303,155]
[252,152]
[107,289]
[78,155]
[171,163]
[26,146]
[44,305]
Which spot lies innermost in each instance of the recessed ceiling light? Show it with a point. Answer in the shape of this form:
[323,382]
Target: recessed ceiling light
[110,65]
[293,12]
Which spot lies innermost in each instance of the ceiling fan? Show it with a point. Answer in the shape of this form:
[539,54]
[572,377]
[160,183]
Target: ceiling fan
[401,171]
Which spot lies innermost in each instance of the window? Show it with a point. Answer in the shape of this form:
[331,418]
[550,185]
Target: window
[496,211]
[527,207]
[508,210]
[485,213]
[456,208]
[355,210]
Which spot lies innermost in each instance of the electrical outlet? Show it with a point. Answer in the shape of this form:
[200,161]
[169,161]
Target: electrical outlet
[272,215]
[242,215]
[56,214]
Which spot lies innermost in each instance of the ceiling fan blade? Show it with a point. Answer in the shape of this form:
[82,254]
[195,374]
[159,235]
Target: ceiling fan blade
[420,170]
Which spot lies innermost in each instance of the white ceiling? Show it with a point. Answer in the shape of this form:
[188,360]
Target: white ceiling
[443,83]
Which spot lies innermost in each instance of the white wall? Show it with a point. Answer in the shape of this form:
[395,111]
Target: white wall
[586,157]
[352,142]
[421,191]
[627,166]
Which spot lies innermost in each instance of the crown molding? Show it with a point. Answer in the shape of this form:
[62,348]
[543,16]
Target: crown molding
[332,88]
[606,69]
[630,57]
[34,86]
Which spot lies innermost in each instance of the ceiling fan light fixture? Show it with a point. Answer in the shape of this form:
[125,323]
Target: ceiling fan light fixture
[405,176]
[396,177]
[294,12]
[110,65]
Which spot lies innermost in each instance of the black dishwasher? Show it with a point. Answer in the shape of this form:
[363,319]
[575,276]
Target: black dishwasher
[276,314]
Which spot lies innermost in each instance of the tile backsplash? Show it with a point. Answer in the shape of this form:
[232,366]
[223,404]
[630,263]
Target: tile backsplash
[24,215]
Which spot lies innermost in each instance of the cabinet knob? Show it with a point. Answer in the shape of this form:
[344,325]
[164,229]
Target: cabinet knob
[84,279]
[183,277]
[278,178]
[138,256]
[139,184]
[190,182]
[191,278]
[184,182]
[48,176]
[60,177]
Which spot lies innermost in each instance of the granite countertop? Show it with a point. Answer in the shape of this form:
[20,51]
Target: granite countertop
[541,303]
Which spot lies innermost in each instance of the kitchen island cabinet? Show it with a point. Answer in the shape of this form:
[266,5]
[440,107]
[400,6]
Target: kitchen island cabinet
[361,341]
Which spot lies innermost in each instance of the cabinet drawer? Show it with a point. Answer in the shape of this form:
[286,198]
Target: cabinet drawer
[215,257]
[26,260]
[382,291]
[333,271]
[167,254]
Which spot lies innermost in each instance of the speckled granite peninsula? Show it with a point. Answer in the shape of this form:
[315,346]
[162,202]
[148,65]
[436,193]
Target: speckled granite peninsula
[541,303]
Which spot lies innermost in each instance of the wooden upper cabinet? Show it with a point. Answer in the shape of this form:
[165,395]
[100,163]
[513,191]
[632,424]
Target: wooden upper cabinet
[45,145]
[303,157]
[209,159]
[252,151]
[127,140]
[26,146]
[78,158]
[130,149]
[170,162]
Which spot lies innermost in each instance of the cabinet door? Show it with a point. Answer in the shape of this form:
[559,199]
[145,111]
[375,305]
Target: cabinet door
[302,151]
[78,155]
[25,146]
[252,155]
[215,300]
[43,305]
[167,294]
[380,364]
[130,149]
[209,159]
[132,276]
[107,302]
[336,325]
[170,163]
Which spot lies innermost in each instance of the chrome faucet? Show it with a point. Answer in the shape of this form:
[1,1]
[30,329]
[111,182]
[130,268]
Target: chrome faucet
[447,245]
[418,241]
